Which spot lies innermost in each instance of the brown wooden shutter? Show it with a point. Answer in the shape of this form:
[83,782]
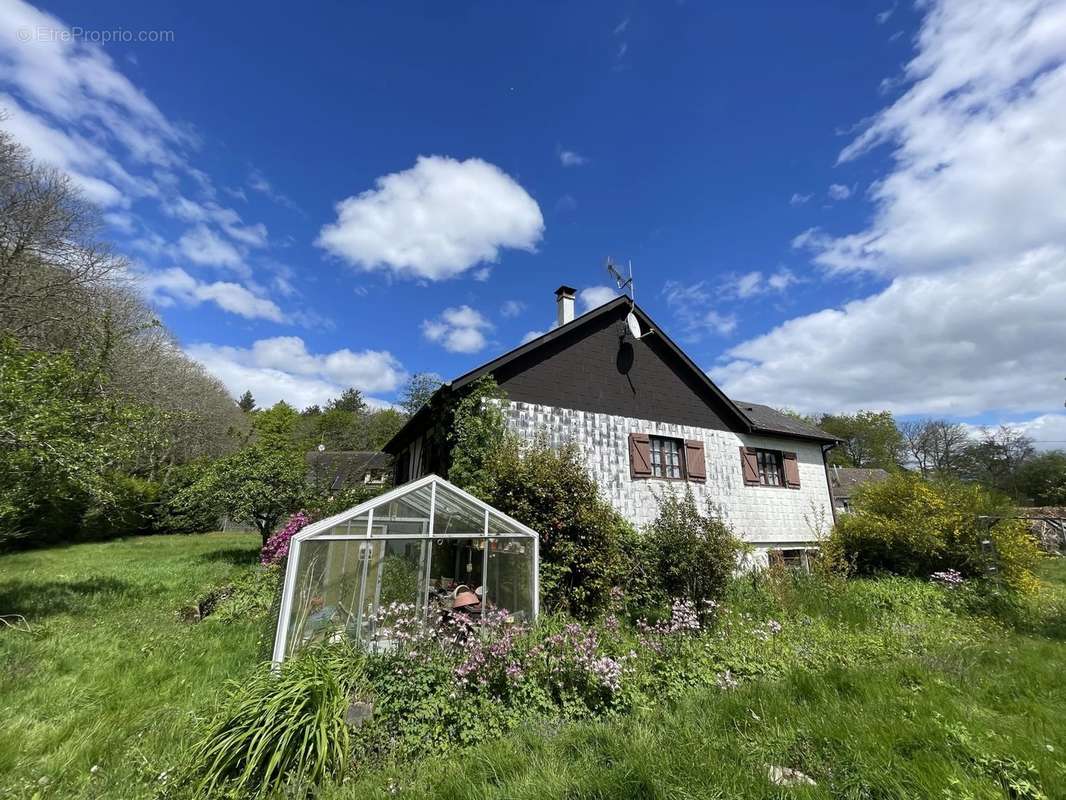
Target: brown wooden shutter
[792,473]
[749,465]
[639,455]
[695,464]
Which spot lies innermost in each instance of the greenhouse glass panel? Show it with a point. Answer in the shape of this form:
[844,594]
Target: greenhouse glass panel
[420,552]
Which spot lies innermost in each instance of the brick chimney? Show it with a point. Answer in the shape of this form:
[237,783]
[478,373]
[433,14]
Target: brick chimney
[564,302]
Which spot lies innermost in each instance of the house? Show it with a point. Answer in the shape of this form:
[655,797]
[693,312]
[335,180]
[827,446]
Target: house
[337,469]
[845,481]
[647,419]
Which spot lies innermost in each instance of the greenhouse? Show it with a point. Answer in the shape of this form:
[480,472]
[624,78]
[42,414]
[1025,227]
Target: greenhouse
[426,548]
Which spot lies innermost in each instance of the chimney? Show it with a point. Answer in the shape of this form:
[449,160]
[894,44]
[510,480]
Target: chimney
[564,301]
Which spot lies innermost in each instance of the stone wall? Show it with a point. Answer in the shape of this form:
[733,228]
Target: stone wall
[762,515]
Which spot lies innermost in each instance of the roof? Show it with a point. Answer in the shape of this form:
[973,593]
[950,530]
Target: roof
[771,420]
[346,466]
[763,420]
[843,481]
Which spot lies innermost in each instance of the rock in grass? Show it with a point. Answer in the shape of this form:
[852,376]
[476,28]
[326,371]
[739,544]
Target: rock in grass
[358,713]
[786,776]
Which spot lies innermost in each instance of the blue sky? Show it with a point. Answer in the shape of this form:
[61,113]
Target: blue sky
[831,206]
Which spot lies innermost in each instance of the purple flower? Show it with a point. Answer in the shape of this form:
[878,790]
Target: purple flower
[277,546]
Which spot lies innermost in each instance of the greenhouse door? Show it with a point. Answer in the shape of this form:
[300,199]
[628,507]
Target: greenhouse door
[394,571]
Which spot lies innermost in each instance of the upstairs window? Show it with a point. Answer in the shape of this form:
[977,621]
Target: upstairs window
[771,472]
[667,457]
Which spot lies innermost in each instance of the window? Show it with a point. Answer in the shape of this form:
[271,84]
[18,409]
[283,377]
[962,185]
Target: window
[771,471]
[667,458]
[798,559]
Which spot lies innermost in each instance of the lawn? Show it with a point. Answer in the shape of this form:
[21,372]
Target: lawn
[110,678]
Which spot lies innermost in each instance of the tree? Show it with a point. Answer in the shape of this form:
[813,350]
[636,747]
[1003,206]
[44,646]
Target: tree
[259,484]
[420,387]
[935,446]
[870,439]
[383,425]
[350,401]
[246,403]
[1041,480]
[995,458]
[275,428]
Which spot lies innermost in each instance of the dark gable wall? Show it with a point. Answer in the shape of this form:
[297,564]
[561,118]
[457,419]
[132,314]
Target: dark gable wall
[590,369]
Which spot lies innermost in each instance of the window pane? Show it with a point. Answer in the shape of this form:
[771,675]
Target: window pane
[510,577]
[454,514]
[326,592]
[656,457]
[454,564]
[351,527]
[498,524]
[405,516]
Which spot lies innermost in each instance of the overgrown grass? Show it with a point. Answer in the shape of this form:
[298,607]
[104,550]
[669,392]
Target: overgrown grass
[109,677]
[877,689]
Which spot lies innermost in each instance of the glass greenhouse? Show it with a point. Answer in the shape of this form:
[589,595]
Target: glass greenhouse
[427,545]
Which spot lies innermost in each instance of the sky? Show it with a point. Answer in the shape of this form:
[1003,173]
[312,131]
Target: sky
[830,206]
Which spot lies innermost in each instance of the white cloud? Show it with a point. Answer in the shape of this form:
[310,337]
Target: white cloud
[281,368]
[435,220]
[884,16]
[1048,431]
[968,229]
[512,308]
[458,330]
[694,306]
[839,191]
[755,283]
[167,286]
[201,245]
[798,199]
[570,158]
[595,296]
[258,182]
[227,219]
[531,335]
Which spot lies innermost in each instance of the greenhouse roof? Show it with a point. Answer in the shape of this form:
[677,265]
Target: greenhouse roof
[420,499]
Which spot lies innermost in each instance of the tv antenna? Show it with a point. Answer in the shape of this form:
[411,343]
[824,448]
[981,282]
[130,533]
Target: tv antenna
[626,284]
[622,282]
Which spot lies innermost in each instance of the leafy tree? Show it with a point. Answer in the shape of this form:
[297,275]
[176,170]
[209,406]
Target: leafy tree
[381,426]
[995,458]
[1041,480]
[260,484]
[475,430]
[870,439]
[420,387]
[60,439]
[246,403]
[275,428]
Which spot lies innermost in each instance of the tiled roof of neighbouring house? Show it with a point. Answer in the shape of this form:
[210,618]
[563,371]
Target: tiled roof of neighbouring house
[346,467]
[843,481]
[769,419]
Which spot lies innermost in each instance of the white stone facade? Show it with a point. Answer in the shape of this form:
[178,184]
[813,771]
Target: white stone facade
[765,516]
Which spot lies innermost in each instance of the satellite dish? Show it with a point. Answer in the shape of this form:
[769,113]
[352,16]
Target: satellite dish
[633,325]
[321,448]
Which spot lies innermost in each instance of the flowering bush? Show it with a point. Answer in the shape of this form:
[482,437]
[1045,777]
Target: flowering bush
[948,578]
[277,546]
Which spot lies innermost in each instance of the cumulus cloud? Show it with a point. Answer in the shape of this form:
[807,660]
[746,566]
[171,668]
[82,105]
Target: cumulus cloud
[168,286]
[595,296]
[529,336]
[694,306]
[281,368]
[458,330]
[968,230]
[435,220]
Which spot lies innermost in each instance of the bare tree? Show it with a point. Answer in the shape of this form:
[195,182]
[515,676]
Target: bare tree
[935,445]
[50,251]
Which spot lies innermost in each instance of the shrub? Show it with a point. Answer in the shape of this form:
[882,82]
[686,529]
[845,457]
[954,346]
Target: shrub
[910,526]
[133,509]
[283,728]
[182,510]
[584,543]
[277,546]
[692,554]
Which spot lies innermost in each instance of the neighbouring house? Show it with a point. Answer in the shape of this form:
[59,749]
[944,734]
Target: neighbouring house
[338,469]
[845,481]
[647,420]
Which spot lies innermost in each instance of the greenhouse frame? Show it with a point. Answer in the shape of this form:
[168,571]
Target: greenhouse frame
[427,548]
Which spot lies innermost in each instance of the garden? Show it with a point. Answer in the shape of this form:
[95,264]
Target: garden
[915,660]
